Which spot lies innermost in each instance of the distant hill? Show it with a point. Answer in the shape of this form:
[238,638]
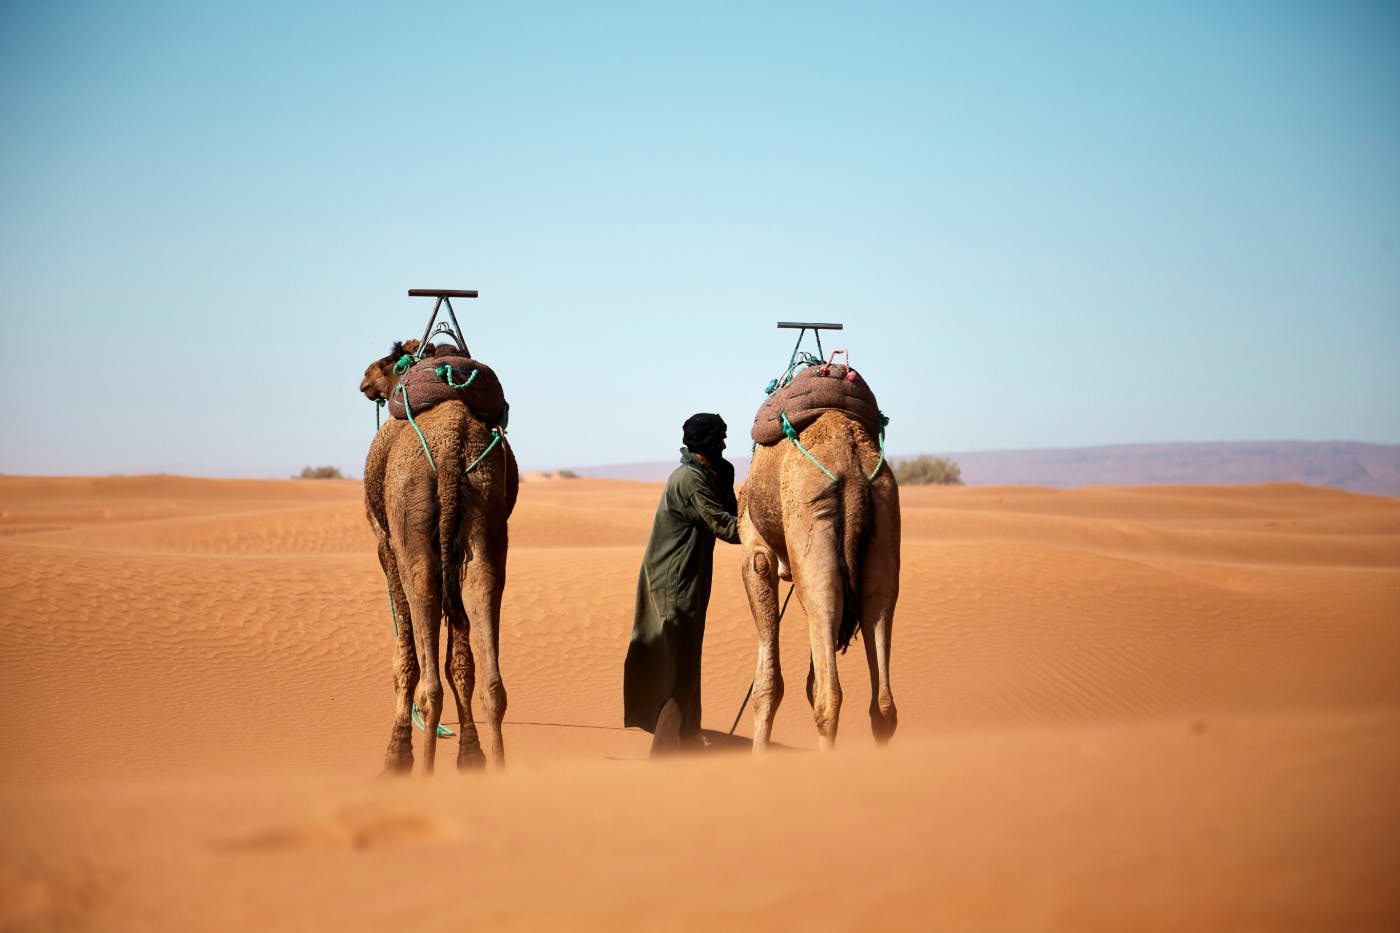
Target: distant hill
[1356,467]
[1368,468]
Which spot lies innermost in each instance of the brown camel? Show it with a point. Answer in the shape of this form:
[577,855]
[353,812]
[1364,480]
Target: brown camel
[841,540]
[442,544]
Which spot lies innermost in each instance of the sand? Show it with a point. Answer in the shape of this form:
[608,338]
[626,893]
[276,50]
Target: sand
[1157,708]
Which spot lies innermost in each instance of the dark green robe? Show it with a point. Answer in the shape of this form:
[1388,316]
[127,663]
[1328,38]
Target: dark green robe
[673,592]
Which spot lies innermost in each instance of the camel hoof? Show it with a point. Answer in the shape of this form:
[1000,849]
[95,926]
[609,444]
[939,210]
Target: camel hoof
[883,724]
[397,765]
[399,758]
[470,759]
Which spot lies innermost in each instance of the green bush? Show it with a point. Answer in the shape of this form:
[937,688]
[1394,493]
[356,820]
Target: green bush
[320,472]
[923,470]
[567,474]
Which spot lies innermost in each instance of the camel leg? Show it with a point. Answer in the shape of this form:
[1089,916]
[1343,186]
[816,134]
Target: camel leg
[421,584]
[761,584]
[399,756]
[822,600]
[879,591]
[875,625]
[484,579]
[461,674]
[883,715]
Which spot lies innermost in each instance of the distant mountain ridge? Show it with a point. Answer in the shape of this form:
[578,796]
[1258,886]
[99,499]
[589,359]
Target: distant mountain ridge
[1349,465]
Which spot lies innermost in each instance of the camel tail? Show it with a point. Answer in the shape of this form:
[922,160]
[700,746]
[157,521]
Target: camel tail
[853,530]
[450,483]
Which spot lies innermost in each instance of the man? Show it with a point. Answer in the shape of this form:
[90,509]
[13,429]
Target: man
[661,678]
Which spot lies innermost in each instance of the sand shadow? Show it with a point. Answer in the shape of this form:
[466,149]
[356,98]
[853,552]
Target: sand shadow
[722,742]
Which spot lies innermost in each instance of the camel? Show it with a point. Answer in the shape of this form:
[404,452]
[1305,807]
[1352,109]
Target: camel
[442,544]
[840,540]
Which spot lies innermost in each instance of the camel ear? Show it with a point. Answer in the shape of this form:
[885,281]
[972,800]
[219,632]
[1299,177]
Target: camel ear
[400,349]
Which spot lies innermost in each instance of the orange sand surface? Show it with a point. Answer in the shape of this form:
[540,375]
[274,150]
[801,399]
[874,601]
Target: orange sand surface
[1166,708]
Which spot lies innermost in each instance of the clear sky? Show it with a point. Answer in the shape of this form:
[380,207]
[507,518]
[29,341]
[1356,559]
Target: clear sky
[1043,224]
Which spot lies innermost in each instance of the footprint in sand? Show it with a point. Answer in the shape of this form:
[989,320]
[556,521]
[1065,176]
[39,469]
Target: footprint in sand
[354,828]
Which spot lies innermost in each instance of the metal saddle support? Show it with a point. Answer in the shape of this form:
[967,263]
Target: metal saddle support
[802,327]
[452,330]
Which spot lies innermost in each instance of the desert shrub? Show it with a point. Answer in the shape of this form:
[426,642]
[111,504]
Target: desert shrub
[924,470]
[567,474]
[320,472]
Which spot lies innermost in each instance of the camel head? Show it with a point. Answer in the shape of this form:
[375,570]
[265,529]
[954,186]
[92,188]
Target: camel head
[380,377]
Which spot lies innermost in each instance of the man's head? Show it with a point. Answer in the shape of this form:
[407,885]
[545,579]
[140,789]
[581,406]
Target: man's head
[704,433]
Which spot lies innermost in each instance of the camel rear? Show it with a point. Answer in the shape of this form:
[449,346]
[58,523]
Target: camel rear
[821,507]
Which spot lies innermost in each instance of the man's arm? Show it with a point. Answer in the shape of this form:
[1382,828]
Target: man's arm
[724,475]
[722,523]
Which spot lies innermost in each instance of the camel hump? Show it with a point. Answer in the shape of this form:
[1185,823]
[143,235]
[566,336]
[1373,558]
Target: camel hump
[811,392]
[438,379]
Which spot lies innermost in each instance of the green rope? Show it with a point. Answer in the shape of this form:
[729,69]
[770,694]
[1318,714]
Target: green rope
[445,374]
[378,404]
[791,432]
[495,439]
[417,714]
[403,364]
[884,420]
[798,359]
[409,412]
[422,724]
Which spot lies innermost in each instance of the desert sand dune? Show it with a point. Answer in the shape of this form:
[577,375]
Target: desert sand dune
[1162,708]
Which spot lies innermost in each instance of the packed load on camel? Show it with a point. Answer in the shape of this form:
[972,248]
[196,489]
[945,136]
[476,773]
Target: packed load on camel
[449,375]
[821,387]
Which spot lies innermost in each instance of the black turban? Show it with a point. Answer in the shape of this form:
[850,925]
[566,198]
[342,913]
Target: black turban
[704,434]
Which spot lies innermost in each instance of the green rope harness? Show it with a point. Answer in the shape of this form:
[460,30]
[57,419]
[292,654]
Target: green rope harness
[791,432]
[445,374]
[378,404]
[884,420]
[496,436]
[417,715]
[403,364]
[408,411]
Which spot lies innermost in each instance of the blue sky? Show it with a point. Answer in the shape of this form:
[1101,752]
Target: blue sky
[1042,224]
